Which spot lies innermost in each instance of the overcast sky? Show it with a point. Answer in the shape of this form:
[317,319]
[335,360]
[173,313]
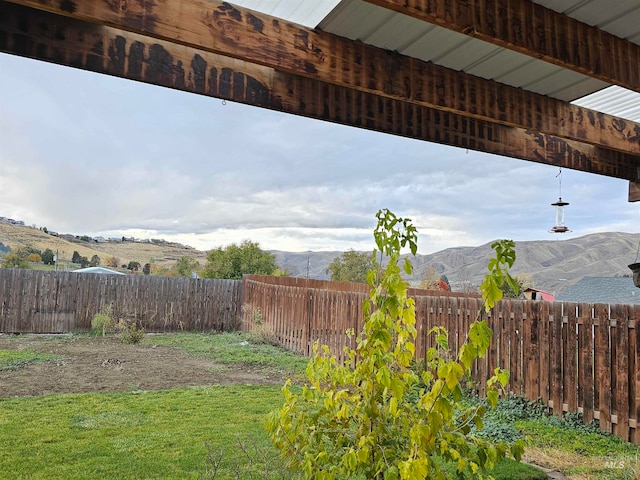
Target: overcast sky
[84,153]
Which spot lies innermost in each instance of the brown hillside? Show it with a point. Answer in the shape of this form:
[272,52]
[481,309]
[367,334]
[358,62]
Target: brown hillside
[553,265]
[16,236]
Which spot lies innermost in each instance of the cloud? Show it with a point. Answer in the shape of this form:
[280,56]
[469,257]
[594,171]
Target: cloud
[85,153]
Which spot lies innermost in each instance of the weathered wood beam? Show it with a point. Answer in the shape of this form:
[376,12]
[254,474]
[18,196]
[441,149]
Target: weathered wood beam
[634,191]
[40,35]
[536,31]
[240,33]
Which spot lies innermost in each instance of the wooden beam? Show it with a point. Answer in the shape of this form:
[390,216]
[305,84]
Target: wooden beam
[536,31]
[240,33]
[36,34]
[634,191]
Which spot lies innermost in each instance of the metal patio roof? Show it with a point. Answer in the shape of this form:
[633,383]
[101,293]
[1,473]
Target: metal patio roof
[381,27]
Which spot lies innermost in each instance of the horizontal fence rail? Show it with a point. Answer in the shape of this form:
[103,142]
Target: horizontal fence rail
[59,302]
[574,357]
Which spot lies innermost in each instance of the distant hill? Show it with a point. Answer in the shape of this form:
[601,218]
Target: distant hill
[164,254]
[552,264]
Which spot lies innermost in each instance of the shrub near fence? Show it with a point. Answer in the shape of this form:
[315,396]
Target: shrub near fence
[575,357]
[59,302]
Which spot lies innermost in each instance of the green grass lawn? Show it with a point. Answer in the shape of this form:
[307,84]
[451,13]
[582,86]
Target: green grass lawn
[174,434]
[14,359]
[223,347]
[188,433]
[160,434]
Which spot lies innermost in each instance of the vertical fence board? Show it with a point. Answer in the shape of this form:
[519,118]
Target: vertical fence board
[545,350]
[555,351]
[585,361]
[494,346]
[620,367]
[421,328]
[517,363]
[570,358]
[602,366]
[530,348]
[504,331]
[634,372]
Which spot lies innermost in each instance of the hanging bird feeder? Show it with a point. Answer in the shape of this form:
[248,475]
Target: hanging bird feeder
[560,227]
[635,269]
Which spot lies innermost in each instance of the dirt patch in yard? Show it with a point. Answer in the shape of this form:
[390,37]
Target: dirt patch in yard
[104,364]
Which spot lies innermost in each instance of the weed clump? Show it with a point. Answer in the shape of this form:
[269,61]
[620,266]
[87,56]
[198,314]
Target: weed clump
[104,322]
[129,332]
[259,332]
[247,459]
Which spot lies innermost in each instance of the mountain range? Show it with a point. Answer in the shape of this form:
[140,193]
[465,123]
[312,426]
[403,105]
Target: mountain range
[551,265]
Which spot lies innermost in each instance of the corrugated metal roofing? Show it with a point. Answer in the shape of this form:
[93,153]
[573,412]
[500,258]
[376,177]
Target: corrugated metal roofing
[304,12]
[611,290]
[359,20]
[614,100]
[384,28]
[99,270]
[618,17]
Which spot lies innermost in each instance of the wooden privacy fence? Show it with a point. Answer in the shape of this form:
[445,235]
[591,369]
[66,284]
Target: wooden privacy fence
[58,302]
[574,357]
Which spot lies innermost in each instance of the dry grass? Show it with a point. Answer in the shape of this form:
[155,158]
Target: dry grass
[553,459]
[164,255]
[581,467]
[259,331]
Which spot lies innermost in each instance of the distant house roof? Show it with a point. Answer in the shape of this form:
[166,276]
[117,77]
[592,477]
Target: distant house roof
[100,270]
[612,290]
[535,294]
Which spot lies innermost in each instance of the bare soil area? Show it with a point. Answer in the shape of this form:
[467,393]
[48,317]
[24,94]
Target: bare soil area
[104,364]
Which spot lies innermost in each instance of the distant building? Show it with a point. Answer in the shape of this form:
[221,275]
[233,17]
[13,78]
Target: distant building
[99,270]
[100,239]
[611,290]
[535,294]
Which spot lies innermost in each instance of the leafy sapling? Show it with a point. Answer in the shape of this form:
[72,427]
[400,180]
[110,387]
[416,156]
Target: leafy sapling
[374,416]
[498,275]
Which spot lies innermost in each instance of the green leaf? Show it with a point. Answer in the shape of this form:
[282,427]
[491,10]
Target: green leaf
[503,376]
[492,397]
[393,406]
[480,336]
[350,460]
[513,284]
[517,449]
[391,473]
[408,267]
[498,267]
[468,353]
